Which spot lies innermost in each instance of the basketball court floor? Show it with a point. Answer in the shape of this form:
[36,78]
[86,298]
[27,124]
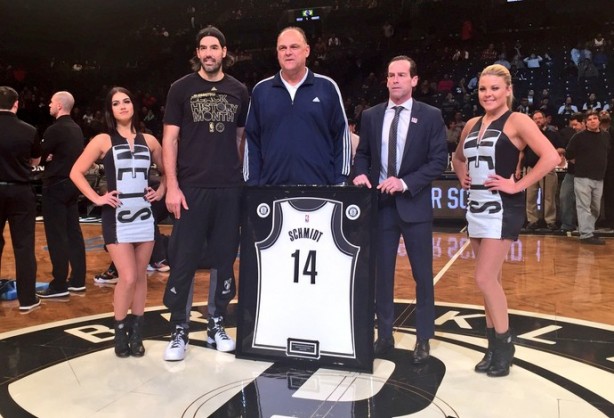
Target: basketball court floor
[58,360]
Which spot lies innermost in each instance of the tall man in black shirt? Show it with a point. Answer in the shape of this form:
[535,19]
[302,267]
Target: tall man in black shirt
[589,150]
[62,144]
[19,152]
[203,128]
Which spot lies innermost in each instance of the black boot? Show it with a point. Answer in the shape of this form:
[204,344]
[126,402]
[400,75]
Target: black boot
[135,336]
[503,355]
[121,339]
[484,364]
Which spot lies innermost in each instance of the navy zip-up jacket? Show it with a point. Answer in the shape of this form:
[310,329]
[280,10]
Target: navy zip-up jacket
[303,141]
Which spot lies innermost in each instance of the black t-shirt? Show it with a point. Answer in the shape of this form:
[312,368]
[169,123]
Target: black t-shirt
[64,140]
[590,150]
[19,143]
[566,133]
[530,158]
[208,115]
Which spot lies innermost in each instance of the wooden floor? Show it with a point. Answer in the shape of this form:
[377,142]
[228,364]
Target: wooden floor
[552,275]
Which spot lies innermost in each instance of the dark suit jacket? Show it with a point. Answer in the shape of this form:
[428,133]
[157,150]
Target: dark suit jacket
[424,158]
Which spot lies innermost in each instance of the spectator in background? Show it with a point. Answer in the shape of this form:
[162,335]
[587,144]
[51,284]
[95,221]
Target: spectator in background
[517,62]
[533,61]
[567,196]
[586,52]
[605,123]
[466,32]
[532,98]
[588,149]
[503,61]
[445,85]
[586,69]
[568,108]
[461,88]
[576,54]
[469,107]
[489,54]
[473,82]
[524,107]
[592,103]
[547,108]
[600,59]
[599,41]
[452,135]
[449,107]
[548,184]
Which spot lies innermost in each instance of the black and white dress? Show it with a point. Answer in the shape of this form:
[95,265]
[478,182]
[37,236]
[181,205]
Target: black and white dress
[127,171]
[492,214]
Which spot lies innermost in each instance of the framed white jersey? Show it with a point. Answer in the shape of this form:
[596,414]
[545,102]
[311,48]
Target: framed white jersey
[306,276]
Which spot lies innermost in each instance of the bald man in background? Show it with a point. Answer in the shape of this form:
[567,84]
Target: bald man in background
[62,144]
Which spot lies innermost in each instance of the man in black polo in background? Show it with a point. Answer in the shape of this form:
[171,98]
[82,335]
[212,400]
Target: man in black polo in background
[62,144]
[19,152]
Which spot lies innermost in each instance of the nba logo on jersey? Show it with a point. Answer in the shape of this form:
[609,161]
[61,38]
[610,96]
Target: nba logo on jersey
[306,218]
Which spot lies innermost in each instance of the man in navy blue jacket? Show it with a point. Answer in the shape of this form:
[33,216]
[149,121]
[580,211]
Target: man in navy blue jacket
[296,129]
[403,177]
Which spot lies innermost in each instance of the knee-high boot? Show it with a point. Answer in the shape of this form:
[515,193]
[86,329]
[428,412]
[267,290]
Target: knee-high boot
[121,338]
[484,364]
[503,355]
[136,336]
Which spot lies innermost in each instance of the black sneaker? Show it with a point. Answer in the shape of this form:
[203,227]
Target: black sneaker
[532,226]
[76,289]
[52,293]
[108,277]
[592,241]
[29,308]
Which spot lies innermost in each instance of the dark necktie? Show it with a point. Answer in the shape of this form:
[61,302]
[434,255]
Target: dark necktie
[392,142]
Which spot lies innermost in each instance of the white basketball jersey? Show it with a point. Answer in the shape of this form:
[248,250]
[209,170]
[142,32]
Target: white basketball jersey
[306,276]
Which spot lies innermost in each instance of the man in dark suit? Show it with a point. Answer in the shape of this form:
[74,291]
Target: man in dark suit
[416,136]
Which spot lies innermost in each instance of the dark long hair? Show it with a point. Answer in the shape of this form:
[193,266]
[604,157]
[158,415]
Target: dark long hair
[108,111]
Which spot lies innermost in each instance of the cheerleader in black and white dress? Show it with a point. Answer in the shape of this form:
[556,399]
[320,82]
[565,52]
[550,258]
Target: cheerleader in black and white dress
[485,161]
[127,220]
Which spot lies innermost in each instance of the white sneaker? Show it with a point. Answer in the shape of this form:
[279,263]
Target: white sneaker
[217,335]
[160,266]
[175,351]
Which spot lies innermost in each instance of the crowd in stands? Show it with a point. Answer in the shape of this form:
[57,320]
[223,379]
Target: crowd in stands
[554,69]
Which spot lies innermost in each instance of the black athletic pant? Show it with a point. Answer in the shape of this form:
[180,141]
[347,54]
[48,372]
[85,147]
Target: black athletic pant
[63,232]
[213,217]
[18,206]
[160,241]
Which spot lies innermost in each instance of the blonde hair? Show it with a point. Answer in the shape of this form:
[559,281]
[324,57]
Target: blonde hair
[500,71]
